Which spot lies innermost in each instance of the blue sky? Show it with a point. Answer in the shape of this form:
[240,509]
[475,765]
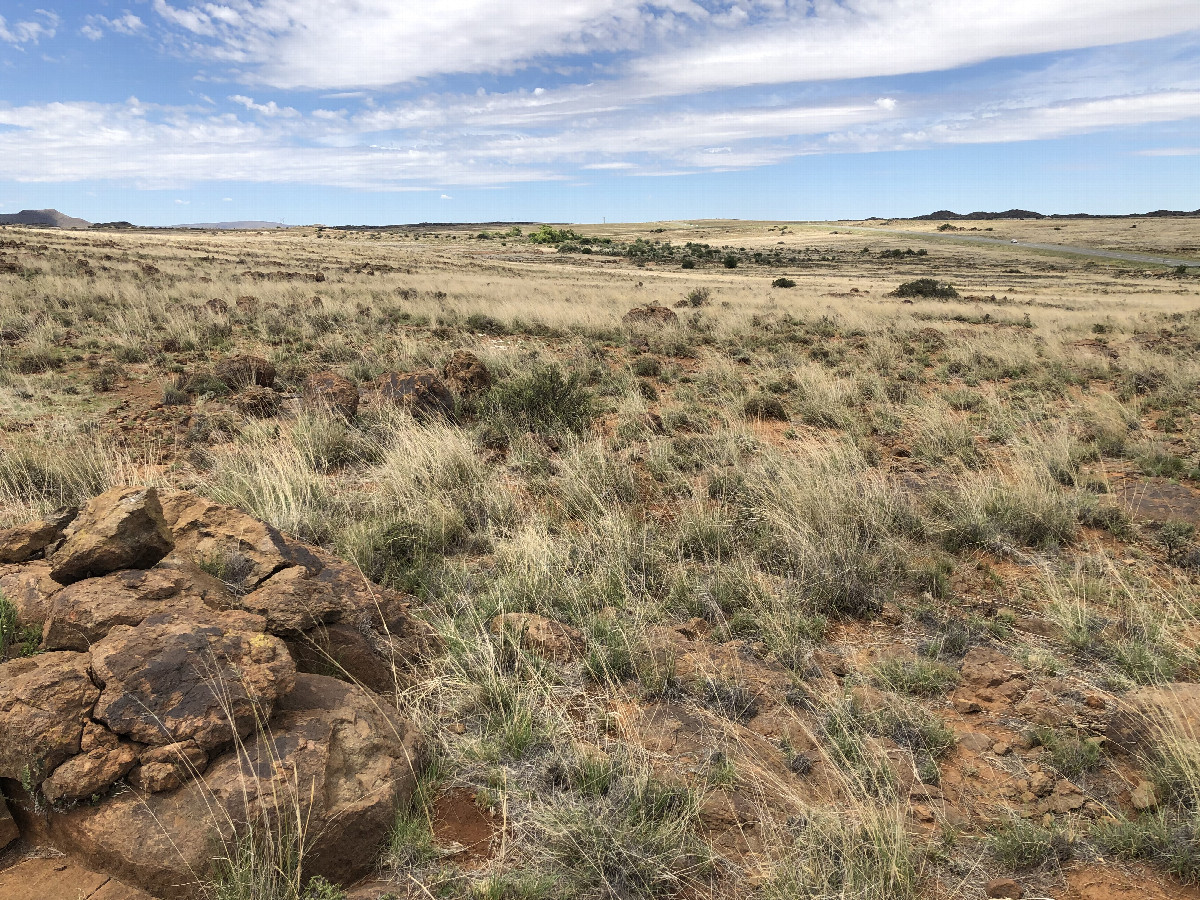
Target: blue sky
[378,111]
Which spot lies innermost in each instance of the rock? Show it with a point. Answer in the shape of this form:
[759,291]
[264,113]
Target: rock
[1040,784]
[653,315]
[260,402]
[44,702]
[245,550]
[1143,796]
[84,612]
[466,374]
[975,740]
[335,758]
[29,588]
[217,306]
[1041,708]
[1004,888]
[1000,748]
[9,831]
[984,667]
[122,528]
[1150,714]
[169,766]
[544,636]
[352,654]
[966,705]
[22,543]
[242,371]
[97,737]
[53,877]
[164,682]
[330,392]
[423,394]
[293,603]
[87,774]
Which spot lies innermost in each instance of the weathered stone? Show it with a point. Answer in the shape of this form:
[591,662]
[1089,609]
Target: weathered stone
[29,588]
[120,529]
[97,737]
[1004,888]
[1143,796]
[544,636]
[330,392]
[55,878]
[423,394]
[84,612]
[334,756]
[1150,714]
[169,766]
[9,831]
[653,315]
[87,774]
[466,374]
[260,402]
[292,602]
[23,542]
[243,549]
[242,371]
[169,682]
[984,667]
[44,702]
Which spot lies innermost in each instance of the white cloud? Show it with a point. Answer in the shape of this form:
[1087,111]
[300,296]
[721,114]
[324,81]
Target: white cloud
[29,31]
[127,24]
[226,199]
[1170,151]
[447,197]
[271,109]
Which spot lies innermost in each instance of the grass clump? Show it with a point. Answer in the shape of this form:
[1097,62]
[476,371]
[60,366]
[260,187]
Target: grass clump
[545,401]
[1069,755]
[637,841]
[1019,844]
[919,677]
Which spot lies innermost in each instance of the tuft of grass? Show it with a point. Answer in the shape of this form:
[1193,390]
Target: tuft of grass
[919,677]
[544,401]
[1019,844]
[1069,755]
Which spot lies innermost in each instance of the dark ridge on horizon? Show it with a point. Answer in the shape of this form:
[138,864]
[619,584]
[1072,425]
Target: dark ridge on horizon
[1030,214]
[45,218]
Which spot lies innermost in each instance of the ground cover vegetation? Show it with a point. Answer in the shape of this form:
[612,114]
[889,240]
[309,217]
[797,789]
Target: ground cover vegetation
[836,579]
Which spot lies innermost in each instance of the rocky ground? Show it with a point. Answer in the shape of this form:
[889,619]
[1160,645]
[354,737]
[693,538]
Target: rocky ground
[433,565]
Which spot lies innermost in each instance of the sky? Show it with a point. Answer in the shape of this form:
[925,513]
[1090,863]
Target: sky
[390,111]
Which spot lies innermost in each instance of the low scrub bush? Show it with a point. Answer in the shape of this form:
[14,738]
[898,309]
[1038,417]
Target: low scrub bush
[926,288]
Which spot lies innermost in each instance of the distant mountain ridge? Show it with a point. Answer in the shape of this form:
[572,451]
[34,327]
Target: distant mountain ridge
[232,226]
[945,214]
[44,217]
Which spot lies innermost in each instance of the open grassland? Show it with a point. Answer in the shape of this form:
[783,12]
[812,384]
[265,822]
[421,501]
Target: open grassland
[842,589]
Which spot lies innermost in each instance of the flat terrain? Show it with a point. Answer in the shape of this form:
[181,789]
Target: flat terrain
[816,588]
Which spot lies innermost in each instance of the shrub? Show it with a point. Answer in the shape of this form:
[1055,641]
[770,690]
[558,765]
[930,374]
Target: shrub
[765,406]
[926,287]
[1023,845]
[698,296]
[730,261]
[783,282]
[920,677]
[647,366]
[688,263]
[545,401]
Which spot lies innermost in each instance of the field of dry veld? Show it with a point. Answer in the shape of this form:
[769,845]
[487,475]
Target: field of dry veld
[792,584]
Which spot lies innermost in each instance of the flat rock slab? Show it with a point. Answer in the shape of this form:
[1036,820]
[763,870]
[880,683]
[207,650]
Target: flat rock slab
[60,879]
[1159,500]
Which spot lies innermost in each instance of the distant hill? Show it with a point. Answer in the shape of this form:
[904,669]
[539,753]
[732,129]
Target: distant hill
[51,218]
[233,226]
[947,215]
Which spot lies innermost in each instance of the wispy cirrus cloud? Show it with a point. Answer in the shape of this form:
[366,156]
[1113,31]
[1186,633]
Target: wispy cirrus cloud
[29,31]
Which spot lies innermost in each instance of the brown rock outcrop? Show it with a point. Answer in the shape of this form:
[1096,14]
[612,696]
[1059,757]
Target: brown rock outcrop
[121,529]
[331,392]
[423,394]
[44,702]
[88,774]
[242,371]
[22,543]
[165,682]
[466,374]
[653,315]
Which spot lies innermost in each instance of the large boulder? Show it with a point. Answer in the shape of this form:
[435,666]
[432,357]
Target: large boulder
[242,371]
[88,774]
[423,394]
[45,701]
[292,602]
[8,828]
[122,528]
[23,542]
[169,681]
[331,392]
[29,588]
[651,315]
[1148,716]
[244,550]
[85,612]
[335,758]
[466,374]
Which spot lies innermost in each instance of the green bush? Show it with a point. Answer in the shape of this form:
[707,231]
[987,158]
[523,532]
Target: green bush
[783,282]
[919,677]
[545,401]
[926,287]
[730,261]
